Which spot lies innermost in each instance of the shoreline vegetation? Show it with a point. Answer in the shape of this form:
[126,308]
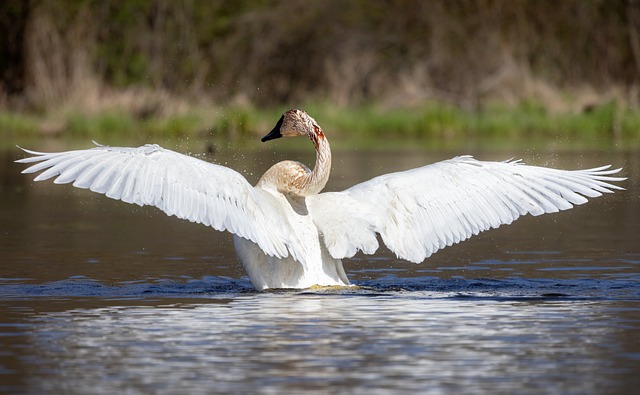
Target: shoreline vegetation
[609,125]
[443,72]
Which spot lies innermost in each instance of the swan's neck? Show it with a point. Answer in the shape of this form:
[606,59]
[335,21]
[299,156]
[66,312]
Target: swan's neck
[315,181]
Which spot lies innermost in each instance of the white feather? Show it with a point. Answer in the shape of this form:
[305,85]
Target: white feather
[175,183]
[420,211]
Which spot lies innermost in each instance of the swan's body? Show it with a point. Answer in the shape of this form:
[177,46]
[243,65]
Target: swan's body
[289,235]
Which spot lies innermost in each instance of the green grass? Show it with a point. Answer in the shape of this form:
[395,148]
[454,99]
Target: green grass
[99,125]
[606,125]
[18,123]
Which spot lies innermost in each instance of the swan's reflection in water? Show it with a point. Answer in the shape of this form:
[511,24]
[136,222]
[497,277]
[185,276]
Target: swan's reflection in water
[274,343]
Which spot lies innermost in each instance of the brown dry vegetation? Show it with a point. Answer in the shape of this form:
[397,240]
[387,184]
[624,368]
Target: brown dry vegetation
[155,57]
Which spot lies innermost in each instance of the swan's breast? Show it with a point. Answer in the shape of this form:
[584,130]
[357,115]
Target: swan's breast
[303,230]
[286,177]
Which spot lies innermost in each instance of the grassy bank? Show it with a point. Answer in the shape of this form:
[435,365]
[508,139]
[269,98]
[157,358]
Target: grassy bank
[605,125]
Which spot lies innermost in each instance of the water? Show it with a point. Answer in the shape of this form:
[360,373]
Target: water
[97,296]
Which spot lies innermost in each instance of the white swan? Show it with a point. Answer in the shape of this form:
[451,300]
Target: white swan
[289,235]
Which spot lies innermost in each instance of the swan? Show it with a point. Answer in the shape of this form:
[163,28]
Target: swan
[289,235]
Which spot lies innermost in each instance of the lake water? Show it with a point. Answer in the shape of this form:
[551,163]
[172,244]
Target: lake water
[97,296]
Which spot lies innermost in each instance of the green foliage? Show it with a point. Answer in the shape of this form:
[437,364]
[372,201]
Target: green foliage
[175,126]
[18,123]
[433,122]
[121,123]
[235,123]
[101,124]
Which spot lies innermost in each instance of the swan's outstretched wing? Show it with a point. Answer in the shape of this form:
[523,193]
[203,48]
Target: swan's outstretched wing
[420,211]
[178,184]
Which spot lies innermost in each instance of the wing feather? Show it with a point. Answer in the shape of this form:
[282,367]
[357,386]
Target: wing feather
[179,185]
[419,211]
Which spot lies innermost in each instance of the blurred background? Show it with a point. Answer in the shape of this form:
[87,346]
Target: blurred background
[442,69]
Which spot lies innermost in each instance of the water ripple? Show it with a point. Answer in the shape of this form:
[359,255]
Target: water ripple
[210,286]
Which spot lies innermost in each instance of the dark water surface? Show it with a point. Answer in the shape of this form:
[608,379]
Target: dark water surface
[97,296]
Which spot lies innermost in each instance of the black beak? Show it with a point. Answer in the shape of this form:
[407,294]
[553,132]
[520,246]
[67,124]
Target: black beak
[275,133]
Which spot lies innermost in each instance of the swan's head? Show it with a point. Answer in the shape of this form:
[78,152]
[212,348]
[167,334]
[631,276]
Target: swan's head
[292,123]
